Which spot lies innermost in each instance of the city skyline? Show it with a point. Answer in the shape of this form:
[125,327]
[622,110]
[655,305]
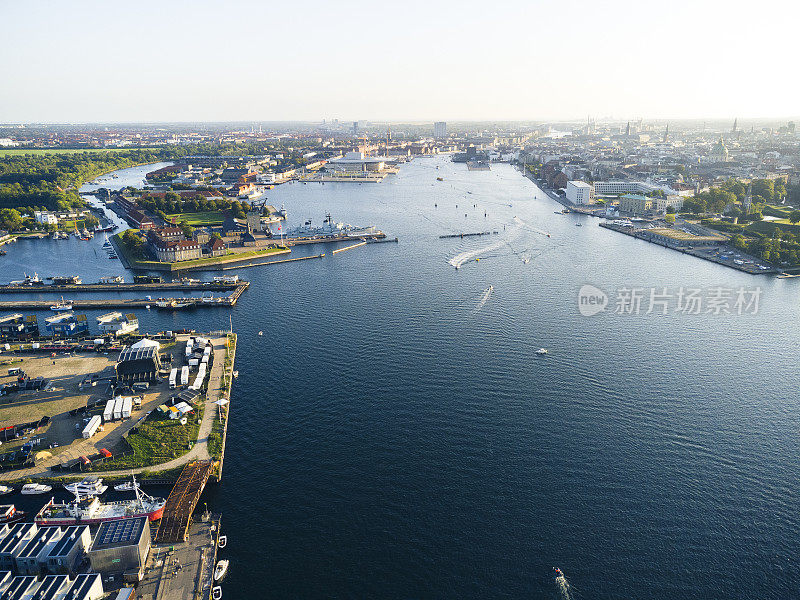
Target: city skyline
[354,60]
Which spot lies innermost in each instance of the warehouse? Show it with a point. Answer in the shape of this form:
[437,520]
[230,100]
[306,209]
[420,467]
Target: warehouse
[121,547]
[138,364]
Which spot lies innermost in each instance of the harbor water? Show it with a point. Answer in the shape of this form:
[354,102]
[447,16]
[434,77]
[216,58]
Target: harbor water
[393,433]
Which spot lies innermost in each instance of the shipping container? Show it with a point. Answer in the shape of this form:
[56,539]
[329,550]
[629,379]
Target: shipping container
[173,378]
[91,427]
[185,376]
[108,413]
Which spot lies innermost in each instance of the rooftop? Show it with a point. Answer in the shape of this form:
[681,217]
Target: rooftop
[114,534]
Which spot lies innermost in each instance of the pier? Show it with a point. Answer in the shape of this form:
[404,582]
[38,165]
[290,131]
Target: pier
[186,286]
[349,247]
[274,262]
[463,235]
[182,501]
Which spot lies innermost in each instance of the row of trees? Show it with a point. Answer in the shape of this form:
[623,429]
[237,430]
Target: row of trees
[172,204]
[782,247]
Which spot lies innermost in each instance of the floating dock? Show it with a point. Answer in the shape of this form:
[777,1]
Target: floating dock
[349,247]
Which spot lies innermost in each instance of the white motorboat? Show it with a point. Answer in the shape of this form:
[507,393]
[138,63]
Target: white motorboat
[61,306]
[4,489]
[216,593]
[541,351]
[222,541]
[35,488]
[221,570]
[90,486]
[128,486]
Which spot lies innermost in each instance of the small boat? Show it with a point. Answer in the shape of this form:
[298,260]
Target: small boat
[216,593]
[10,514]
[221,570]
[5,489]
[439,179]
[260,333]
[90,486]
[236,374]
[557,573]
[30,489]
[222,541]
[578,224]
[541,351]
[124,487]
[61,306]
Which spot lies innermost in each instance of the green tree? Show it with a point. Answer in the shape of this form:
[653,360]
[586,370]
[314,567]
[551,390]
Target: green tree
[10,219]
[794,216]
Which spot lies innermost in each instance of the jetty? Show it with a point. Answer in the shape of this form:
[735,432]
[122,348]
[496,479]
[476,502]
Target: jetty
[349,247]
[463,235]
[186,286]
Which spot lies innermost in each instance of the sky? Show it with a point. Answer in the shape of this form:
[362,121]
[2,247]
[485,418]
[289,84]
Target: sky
[113,61]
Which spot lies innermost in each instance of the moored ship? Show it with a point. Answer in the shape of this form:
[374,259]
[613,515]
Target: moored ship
[88,510]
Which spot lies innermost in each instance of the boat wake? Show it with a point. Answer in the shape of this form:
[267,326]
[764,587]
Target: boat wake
[563,587]
[459,259]
[487,293]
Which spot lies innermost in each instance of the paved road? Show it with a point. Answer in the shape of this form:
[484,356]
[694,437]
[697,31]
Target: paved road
[198,452]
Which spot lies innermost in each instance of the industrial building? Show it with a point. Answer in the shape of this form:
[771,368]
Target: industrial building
[121,547]
[138,364]
[17,327]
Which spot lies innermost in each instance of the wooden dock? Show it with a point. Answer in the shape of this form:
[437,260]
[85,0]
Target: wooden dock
[182,501]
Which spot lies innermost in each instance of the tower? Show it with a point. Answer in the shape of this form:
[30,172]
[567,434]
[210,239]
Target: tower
[735,123]
[666,134]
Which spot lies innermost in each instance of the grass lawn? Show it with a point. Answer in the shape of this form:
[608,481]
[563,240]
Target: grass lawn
[158,440]
[22,151]
[200,219]
[768,227]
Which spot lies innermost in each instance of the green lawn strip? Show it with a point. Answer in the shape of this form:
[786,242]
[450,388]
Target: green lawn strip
[159,439]
[199,219]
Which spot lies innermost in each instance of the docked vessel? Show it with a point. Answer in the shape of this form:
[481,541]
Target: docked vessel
[90,486]
[61,306]
[221,570]
[35,280]
[128,486]
[5,489]
[329,229]
[88,510]
[30,489]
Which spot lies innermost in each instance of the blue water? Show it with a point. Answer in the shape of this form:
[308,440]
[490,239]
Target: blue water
[393,434]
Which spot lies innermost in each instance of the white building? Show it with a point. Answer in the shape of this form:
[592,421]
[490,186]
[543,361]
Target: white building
[440,130]
[580,192]
[44,217]
[8,143]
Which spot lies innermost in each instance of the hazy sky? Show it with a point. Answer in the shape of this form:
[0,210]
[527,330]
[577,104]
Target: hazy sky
[82,61]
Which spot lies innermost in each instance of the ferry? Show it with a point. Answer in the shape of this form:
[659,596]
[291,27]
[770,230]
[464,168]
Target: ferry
[30,489]
[91,486]
[90,510]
